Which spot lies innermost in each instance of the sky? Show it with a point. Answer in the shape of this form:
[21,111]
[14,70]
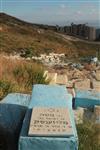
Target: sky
[61,12]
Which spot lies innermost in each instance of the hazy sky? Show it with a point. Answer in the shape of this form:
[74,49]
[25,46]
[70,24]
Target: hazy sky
[54,11]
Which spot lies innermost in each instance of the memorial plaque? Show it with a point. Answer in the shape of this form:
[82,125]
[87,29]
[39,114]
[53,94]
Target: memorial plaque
[50,122]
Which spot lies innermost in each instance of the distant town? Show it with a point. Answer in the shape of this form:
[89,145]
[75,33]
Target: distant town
[79,30]
[82,31]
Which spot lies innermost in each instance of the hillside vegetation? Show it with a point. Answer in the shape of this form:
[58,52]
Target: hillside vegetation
[17,36]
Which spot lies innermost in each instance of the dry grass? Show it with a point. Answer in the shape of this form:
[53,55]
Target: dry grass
[89,135]
[19,76]
[15,39]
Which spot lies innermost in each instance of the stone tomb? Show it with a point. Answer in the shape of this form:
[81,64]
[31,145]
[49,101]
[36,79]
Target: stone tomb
[50,122]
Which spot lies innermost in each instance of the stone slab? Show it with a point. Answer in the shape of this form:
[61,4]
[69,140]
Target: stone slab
[98,75]
[83,85]
[87,98]
[96,86]
[50,122]
[62,79]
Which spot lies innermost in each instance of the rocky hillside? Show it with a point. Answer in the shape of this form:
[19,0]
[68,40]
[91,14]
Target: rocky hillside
[20,36]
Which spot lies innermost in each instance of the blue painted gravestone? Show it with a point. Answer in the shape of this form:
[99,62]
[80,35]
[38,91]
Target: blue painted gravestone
[52,98]
[17,99]
[87,98]
[12,112]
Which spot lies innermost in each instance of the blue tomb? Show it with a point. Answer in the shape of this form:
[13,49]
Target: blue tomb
[15,115]
[48,96]
[87,98]
[12,112]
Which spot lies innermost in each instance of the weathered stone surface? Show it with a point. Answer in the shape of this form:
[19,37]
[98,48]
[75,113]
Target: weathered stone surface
[96,85]
[77,74]
[84,84]
[50,122]
[51,77]
[98,75]
[69,84]
[62,79]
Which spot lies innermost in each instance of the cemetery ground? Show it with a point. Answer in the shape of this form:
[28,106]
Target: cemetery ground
[20,75]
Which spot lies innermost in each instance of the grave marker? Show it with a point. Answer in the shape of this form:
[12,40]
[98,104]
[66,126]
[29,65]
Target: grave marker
[50,122]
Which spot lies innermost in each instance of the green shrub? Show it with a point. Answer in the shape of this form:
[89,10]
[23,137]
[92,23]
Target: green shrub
[5,88]
[28,53]
[29,74]
[34,76]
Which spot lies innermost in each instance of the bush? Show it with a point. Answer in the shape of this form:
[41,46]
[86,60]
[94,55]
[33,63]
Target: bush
[34,76]
[5,88]
[28,53]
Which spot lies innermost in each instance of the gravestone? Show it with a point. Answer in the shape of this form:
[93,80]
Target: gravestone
[83,85]
[87,98]
[50,122]
[62,79]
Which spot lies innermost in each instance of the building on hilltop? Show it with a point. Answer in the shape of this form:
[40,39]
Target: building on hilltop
[81,30]
[91,33]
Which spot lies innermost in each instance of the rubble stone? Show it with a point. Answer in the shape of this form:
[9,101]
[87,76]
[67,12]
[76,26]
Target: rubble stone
[77,74]
[96,85]
[98,75]
[84,84]
[61,79]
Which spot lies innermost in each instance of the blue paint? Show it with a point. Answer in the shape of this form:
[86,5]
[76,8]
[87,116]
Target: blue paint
[17,99]
[11,119]
[50,96]
[87,98]
[12,112]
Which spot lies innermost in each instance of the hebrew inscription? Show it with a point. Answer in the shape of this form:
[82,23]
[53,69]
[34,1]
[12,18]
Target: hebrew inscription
[50,122]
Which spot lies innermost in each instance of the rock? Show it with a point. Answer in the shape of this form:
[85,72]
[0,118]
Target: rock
[96,85]
[97,76]
[89,67]
[77,74]
[84,84]
[62,79]
[51,77]
[69,84]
